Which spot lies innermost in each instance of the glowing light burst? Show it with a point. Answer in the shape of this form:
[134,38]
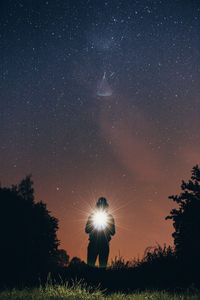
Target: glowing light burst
[87,209]
[100,220]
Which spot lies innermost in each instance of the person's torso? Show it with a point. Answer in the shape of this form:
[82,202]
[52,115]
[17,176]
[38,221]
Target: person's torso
[100,237]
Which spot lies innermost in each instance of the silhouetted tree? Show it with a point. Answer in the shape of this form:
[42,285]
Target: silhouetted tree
[186,221]
[28,244]
[25,189]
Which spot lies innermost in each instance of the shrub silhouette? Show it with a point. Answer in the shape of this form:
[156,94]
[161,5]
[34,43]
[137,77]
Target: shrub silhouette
[63,258]
[119,263]
[157,254]
[28,234]
[75,261]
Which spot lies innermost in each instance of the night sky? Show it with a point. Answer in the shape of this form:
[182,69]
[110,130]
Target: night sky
[133,147]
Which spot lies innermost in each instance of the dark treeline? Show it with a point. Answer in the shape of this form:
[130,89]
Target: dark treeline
[29,246]
[28,234]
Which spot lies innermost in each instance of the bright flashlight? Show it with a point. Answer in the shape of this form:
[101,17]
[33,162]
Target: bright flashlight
[100,220]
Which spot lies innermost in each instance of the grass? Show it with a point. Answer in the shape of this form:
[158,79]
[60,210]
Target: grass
[79,291]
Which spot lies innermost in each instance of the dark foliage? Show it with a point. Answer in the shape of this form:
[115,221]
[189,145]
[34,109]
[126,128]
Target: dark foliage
[186,222]
[29,247]
[76,261]
[28,234]
[63,258]
[156,270]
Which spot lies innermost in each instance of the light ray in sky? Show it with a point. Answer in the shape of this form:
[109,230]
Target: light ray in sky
[103,88]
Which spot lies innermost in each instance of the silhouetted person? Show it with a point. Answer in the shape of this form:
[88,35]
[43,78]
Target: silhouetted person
[100,226]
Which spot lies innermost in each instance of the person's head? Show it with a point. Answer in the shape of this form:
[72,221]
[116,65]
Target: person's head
[102,203]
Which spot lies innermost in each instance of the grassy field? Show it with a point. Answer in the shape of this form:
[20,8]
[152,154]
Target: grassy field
[81,292]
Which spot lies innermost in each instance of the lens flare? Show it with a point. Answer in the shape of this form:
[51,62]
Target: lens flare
[103,88]
[100,220]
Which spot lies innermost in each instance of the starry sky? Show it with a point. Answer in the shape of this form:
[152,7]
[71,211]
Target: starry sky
[133,147]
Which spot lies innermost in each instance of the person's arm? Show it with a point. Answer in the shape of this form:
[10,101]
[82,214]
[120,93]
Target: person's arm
[89,227]
[112,225]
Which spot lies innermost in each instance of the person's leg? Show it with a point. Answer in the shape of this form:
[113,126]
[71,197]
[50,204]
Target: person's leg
[91,254]
[103,255]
